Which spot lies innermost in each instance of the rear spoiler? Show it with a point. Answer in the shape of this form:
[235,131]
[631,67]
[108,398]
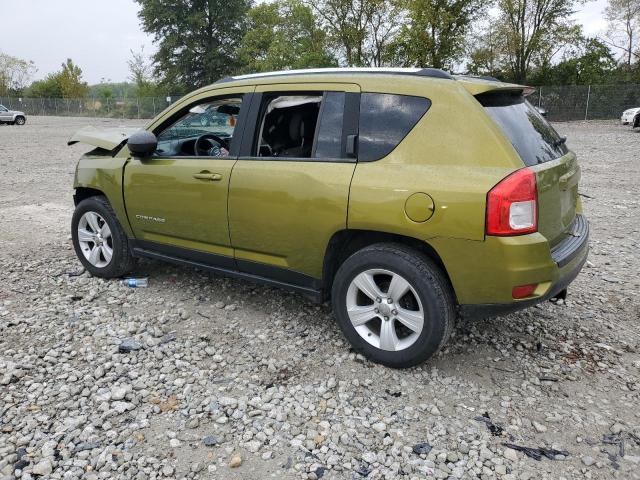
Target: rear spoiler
[106,138]
[477,85]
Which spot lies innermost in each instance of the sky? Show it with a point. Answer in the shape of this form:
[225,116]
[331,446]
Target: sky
[99,34]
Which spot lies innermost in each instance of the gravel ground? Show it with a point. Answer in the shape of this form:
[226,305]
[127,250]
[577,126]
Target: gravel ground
[225,379]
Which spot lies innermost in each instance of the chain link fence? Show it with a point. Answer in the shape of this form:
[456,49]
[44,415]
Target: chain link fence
[132,107]
[563,103]
[586,102]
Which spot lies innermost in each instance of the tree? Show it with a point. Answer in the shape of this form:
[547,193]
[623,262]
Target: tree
[486,56]
[435,32]
[359,30]
[533,30]
[588,62]
[623,19]
[140,73]
[49,87]
[283,35]
[15,74]
[197,39]
[70,78]
[67,83]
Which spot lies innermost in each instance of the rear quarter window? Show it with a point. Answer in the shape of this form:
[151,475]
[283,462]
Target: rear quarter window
[385,119]
[529,132]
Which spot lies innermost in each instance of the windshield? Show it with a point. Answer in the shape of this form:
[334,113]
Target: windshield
[530,134]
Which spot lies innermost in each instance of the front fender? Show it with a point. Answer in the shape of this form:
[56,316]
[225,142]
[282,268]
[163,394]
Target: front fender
[104,173]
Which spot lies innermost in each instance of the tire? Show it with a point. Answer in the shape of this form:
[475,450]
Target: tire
[90,215]
[20,120]
[428,293]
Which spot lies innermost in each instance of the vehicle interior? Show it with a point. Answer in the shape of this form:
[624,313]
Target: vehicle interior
[288,126]
[204,130]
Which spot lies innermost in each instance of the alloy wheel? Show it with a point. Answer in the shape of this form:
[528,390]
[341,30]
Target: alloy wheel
[95,239]
[385,309]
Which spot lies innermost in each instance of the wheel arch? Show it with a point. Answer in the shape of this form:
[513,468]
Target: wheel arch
[346,242]
[82,193]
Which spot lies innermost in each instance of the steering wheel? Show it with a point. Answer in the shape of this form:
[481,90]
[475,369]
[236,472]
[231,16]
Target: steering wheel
[198,148]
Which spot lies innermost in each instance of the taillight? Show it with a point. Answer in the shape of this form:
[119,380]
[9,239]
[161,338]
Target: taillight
[512,205]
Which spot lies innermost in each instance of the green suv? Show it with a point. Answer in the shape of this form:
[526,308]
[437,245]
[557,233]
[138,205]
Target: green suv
[405,196]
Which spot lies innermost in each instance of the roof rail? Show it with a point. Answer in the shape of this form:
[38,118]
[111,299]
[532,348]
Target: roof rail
[434,72]
[421,72]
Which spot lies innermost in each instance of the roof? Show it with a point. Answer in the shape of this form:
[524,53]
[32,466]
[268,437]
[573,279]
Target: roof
[419,72]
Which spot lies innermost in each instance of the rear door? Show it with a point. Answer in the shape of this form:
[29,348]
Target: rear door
[544,151]
[290,187]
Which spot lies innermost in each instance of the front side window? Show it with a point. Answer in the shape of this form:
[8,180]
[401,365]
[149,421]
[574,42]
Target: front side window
[385,119]
[205,129]
[301,125]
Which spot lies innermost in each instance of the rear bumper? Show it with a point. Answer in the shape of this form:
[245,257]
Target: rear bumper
[483,274]
[496,309]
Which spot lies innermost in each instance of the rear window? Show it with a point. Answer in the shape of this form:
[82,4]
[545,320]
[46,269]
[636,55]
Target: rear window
[530,134]
[385,119]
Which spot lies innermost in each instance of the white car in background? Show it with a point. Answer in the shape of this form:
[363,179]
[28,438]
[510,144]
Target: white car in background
[12,117]
[629,115]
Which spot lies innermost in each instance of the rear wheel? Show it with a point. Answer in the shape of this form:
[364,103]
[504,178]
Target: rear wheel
[393,304]
[20,120]
[98,239]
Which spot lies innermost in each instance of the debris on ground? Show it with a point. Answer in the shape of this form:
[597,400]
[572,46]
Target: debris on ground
[538,453]
[496,430]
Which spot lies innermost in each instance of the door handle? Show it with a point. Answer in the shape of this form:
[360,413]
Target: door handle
[212,177]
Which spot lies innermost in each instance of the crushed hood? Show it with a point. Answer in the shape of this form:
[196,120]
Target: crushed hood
[107,138]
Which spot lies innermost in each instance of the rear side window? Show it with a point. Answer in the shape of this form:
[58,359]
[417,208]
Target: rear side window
[530,134]
[385,119]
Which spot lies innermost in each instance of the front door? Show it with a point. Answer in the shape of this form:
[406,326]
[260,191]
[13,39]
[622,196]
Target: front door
[290,187]
[176,200]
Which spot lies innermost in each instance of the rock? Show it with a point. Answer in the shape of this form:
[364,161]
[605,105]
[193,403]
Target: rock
[129,345]
[510,454]
[235,461]
[43,467]
[540,428]
[118,392]
[617,428]
[379,426]
[422,448]
[210,440]
[588,461]
[167,470]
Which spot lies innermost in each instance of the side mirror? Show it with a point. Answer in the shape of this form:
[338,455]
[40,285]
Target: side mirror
[142,143]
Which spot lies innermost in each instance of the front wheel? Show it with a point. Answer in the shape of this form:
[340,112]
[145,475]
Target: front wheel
[20,120]
[393,304]
[98,239]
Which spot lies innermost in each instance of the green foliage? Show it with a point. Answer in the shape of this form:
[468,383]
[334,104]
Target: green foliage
[70,79]
[588,62]
[283,35]
[15,73]
[67,83]
[360,31]
[532,32]
[49,87]
[435,31]
[196,39]
[623,21]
